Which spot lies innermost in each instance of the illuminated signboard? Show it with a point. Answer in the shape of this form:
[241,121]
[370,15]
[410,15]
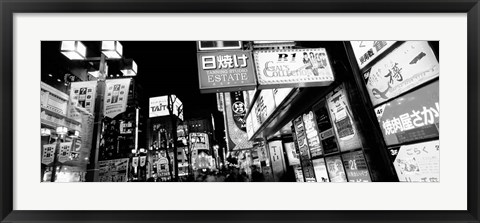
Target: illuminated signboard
[417,162]
[336,172]
[236,125]
[292,155]
[53,100]
[320,170]
[411,117]
[264,105]
[219,45]
[223,71]
[366,51]
[158,106]
[293,68]
[312,134]
[327,133]
[116,96]
[346,131]
[113,170]
[356,167]
[301,140]
[411,64]
[277,158]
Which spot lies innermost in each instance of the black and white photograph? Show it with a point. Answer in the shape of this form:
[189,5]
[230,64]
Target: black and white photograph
[250,111]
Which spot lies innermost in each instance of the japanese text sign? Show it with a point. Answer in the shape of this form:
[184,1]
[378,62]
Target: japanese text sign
[356,167]
[293,68]
[366,51]
[336,172]
[411,117]
[48,153]
[223,71]
[320,170]
[113,170]
[343,121]
[411,64]
[418,162]
[301,142]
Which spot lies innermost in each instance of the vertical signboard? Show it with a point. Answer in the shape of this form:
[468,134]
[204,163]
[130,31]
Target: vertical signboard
[113,170]
[226,71]
[311,132]
[418,162]
[116,96]
[292,155]
[238,109]
[411,64]
[320,170]
[236,126]
[277,158]
[366,51]
[336,172]
[327,133]
[356,167]
[411,117]
[293,68]
[343,121]
[264,105]
[305,161]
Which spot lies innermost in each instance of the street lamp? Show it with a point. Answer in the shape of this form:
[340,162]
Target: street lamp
[74,50]
[130,68]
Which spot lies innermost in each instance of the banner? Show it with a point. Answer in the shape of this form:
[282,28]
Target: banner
[116,96]
[293,68]
[48,153]
[356,167]
[238,110]
[135,161]
[237,138]
[143,160]
[335,169]
[221,71]
[411,64]
[366,51]
[343,121]
[65,151]
[417,162]
[411,117]
[82,96]
[113,170]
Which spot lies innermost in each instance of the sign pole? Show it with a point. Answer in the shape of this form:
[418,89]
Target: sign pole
[92,170]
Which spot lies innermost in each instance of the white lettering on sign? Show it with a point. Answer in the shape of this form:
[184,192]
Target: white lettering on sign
[409,121]
[224,61]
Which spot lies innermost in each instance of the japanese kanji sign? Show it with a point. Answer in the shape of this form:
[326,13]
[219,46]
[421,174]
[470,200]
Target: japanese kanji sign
[82,97]
[417,162]
[366,51]
[320,170]
[356,167]
[293,68]
[224,71]
[411,64]
[411,117]
[336,172]
[301,142]
[236,135]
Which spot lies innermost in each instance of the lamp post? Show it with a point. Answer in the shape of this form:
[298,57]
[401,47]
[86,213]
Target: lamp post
[111,50]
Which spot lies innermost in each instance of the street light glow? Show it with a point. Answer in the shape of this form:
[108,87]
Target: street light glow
[73,50]
[112,49]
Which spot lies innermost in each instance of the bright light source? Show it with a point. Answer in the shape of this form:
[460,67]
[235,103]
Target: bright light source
[76,134]
[130,68]
[45,132]
[59,80]
[73,50]
[112,49]
[61,130]
[95,74]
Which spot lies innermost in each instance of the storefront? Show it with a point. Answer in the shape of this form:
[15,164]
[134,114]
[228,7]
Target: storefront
[376,120]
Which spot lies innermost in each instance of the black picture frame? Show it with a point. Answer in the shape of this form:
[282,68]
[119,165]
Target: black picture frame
[10,7]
